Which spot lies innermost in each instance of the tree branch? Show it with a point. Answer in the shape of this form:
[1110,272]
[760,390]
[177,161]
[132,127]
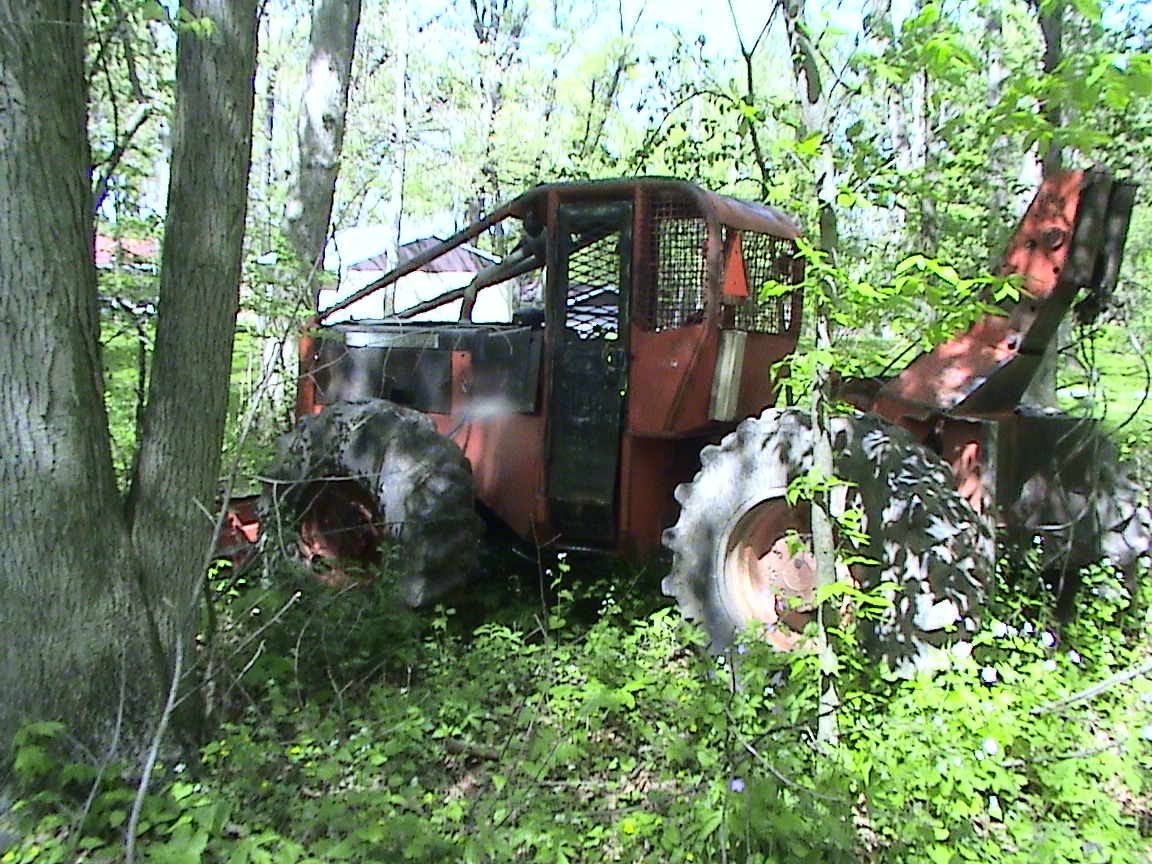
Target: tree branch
[1096,689]
[143,114]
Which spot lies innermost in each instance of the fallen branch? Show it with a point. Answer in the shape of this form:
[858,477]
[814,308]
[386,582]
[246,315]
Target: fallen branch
[1096,689]
[462,748]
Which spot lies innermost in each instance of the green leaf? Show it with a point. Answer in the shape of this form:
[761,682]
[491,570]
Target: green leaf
[912,262]
[848,199]
[39,729]
[153,10]
[1090,9]
[712,822]
[810,146]
[32,762]
[181,790]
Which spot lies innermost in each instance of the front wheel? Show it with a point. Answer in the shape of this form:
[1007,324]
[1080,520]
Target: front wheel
[742,553]
[373,482]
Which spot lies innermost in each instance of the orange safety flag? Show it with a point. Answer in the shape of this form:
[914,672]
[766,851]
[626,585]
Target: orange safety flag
[735,278]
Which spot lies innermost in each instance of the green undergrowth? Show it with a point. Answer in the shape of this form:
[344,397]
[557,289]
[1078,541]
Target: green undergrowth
[588,724]
[127,343]
[1112,382]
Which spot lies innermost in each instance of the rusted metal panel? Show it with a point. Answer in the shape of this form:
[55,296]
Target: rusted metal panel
[751,216]
[758,388]
[307,347]
[506,454]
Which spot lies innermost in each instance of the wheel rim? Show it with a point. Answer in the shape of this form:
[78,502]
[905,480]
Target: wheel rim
[769,572]
[339,528]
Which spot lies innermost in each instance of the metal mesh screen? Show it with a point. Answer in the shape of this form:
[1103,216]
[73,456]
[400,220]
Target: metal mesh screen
[676,266]
[594,286]
[766,258]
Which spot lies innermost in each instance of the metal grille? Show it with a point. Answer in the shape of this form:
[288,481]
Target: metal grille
[594,284]
[677,268]
[766,258]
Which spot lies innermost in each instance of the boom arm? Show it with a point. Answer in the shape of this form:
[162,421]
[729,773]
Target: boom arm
[1069,241]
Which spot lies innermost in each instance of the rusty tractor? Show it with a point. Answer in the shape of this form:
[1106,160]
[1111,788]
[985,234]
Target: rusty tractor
[605,386]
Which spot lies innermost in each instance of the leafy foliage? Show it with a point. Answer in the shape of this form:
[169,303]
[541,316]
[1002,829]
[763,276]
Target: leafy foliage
[922,303]
[373,734]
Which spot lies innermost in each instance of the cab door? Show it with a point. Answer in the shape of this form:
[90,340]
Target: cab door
[589,281]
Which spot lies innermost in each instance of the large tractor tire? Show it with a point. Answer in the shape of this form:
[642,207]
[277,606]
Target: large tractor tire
[1080,506]
[374,483]
[742,555]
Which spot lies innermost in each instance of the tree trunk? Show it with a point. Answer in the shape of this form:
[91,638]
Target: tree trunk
[95,597]
[815,119]
[999,158]
[927,229]
[1051,18]
[308,208]
[399,141]
[1041,391]
[69,610]
[175,488]
[323,108]
[498,26]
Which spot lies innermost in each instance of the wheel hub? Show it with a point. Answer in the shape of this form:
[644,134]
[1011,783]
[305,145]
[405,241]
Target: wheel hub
[770,573]
[339,526]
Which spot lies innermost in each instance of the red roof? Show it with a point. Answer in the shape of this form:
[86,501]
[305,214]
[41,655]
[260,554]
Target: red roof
[462,259]
[124,250]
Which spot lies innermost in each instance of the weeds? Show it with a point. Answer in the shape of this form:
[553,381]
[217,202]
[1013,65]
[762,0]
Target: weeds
[372,733]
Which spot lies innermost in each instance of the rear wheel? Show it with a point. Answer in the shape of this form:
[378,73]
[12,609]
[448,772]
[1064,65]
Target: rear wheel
[742,555]
[374,483]
[1080,505]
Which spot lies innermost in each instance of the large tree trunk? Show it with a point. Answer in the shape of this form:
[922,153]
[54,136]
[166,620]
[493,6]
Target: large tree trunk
[70,617]
[95,598]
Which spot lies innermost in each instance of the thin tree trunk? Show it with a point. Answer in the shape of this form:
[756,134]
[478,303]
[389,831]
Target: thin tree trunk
[998,156]
[923,149]
[323,109]
[814,119]
[1051,18]
[175,487]
[498,26]
[320,130]
[399,140]
[1041,391]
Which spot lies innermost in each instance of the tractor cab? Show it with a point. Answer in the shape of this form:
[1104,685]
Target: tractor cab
[634,333]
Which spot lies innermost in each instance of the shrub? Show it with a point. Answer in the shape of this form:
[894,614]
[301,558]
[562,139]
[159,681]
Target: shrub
[554,735]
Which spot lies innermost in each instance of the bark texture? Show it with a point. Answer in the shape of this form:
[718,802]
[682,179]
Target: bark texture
[176,484]
[94,596]
[69,610]
[321,127]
